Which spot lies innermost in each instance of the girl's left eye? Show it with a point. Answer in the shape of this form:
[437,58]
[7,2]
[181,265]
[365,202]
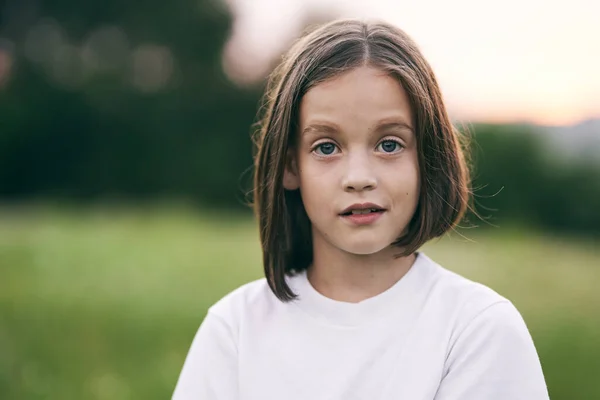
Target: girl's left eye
[389,146]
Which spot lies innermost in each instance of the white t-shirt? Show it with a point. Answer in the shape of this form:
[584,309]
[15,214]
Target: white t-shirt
[433,335]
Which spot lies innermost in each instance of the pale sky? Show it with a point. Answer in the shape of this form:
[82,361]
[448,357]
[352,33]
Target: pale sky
[515,60]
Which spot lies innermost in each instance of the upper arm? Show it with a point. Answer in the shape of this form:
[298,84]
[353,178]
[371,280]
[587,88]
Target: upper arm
[210,368]
[493,358]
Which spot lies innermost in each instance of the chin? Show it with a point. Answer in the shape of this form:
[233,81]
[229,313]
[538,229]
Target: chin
[364,248]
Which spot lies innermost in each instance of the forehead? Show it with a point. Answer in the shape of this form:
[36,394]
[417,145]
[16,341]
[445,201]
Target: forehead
[360,97]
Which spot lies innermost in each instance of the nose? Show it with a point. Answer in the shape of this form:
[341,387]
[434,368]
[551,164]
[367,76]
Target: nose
[359,174]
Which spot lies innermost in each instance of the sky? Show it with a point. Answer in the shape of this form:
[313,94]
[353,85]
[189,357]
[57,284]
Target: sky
[532,61]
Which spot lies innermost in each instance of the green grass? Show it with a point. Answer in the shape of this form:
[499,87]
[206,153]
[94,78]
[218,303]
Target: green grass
[102,303]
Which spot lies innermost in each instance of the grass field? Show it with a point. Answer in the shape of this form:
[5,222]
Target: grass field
[102,303]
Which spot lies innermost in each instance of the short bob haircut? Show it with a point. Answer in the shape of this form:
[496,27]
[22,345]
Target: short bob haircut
[326,52]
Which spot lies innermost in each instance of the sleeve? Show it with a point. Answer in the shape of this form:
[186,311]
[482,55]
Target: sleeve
[494,358]
[210,368]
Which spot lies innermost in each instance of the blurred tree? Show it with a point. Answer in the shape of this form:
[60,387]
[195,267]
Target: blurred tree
[162,120]
[516,179]
[508,163]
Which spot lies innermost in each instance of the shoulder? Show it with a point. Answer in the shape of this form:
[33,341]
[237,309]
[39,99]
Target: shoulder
[487,342]
[464,300]
[234,306]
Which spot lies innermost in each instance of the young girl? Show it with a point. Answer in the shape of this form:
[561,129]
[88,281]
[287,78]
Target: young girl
[357,167]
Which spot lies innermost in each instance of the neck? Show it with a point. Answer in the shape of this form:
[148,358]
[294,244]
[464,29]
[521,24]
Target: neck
[352,278]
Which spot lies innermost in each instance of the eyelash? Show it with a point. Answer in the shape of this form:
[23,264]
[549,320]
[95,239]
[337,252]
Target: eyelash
[316,147]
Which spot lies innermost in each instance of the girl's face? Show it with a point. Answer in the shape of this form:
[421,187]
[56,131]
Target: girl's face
[356,146]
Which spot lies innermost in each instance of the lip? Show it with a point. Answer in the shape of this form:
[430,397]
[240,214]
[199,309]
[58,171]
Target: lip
[361,206]
[363,219]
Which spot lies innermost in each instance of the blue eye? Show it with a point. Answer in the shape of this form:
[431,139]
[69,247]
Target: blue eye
[389,146]
[326,148]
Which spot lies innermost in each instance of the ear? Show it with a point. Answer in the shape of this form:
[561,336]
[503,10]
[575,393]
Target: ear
[291,178]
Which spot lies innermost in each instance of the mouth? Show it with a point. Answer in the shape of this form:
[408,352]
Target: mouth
[361,209]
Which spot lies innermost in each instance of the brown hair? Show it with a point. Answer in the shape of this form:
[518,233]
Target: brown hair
[328,51]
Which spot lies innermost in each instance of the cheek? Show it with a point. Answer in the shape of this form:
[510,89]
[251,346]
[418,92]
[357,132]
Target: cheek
[412,176]
[315,194]
[414,192]
[409,193]
[318,190]
[403,180]
[316,176]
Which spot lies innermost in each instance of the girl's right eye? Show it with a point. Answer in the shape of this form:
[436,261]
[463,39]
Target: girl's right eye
[325,149]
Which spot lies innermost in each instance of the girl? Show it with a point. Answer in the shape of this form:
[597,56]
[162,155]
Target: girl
[357,166]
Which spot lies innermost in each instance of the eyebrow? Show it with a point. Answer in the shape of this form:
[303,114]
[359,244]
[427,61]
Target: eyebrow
[320,128]
[395,124]
[331,128]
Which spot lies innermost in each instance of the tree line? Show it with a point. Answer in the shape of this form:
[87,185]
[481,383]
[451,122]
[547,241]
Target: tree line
[146,125]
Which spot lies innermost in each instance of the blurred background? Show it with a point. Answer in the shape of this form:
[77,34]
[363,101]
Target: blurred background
[125,160]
